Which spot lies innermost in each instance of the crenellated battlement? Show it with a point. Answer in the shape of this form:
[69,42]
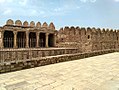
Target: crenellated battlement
[31,24]
[88,29]
[89,39]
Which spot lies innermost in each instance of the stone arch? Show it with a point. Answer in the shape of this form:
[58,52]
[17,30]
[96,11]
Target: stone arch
[51,26]
[18,23]
[32,24]
[10,22]
[38,25]
[25,23]
[45,25]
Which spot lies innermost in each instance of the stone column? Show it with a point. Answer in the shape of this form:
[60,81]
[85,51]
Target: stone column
[1,39]
[15,39]
[46,41]
[27,39]
[54,41]
[37,37]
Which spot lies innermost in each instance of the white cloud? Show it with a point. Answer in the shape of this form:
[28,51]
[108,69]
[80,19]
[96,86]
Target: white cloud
[84,1]
[57,9]
[116,0]
[92,1]
[2,1]
[6,1]
[23,2]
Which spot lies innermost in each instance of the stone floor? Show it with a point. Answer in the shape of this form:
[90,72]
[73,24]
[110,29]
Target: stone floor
[94,73]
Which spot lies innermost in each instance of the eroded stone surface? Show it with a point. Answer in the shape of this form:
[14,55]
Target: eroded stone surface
[94,73]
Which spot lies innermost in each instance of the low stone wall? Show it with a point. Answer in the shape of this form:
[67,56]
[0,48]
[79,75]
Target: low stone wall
[15,55]
[41,61]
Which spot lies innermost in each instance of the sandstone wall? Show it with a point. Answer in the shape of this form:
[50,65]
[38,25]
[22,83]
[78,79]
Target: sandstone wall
[88,39]
[41,61]
[16,55]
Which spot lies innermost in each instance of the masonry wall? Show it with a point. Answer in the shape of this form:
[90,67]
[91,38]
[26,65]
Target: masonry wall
[88,39]
[15,55]
[35,62]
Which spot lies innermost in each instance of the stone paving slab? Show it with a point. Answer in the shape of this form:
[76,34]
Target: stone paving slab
[94,73]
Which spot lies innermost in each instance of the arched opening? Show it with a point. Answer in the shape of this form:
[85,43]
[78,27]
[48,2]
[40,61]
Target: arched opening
[42,40]
[32,39]
[8,39]
[51,40]
[21,39]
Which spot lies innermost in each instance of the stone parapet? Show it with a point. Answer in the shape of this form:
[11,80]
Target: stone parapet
[41,61]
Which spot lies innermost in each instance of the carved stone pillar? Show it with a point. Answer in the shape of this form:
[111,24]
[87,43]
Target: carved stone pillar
[15,39]
[46,41]
[1,39]
[27,39]
[37,37]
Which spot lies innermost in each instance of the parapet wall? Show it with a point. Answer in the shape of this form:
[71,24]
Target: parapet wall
[88,39]
[41,61]
[8,56]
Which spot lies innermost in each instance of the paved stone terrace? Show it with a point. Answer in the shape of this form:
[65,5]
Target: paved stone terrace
[94,73]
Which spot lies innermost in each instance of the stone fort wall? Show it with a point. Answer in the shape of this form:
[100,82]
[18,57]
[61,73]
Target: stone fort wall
[88,39]
[25,45]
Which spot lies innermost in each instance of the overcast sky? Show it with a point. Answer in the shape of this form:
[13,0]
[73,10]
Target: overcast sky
[82,13]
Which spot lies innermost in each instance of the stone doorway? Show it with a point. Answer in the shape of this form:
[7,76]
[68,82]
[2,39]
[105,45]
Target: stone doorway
[51,40]
[42,40]
[8,39]
[32,39]
[21,39]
